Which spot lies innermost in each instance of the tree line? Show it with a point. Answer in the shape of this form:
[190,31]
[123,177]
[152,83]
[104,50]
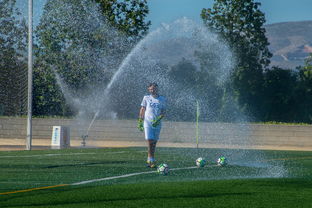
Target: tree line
[79,34]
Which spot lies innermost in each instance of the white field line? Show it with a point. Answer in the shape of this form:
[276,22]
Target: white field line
[69,154]
[108,178]
[92,181]
[131,174]
[193,167]
[113,177]
[183,168]
[123,152]
[45,155]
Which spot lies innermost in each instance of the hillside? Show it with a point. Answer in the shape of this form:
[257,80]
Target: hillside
[290,42]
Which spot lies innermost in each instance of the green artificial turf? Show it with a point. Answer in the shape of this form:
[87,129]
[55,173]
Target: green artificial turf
[253,178]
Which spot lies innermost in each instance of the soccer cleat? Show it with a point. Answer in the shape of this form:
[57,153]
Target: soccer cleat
[151,164]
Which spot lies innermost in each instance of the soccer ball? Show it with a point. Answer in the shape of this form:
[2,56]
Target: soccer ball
[200,162]
[222,161]
[163,169]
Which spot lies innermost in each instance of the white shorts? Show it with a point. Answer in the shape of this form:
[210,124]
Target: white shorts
[151,133]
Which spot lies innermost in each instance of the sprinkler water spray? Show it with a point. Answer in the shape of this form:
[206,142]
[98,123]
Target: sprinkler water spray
[85,136]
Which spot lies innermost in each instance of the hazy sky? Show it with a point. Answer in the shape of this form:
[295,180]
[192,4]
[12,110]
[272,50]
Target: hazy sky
[169,10]
[275,10]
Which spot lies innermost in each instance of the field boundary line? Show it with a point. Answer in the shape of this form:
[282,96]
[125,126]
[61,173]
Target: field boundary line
[66,154]
[112,177]
[34,189]
[133,174]
[46,155]
[125,176]
[92,181]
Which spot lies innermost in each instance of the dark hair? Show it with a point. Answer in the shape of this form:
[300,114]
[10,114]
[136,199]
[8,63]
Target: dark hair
[152,84]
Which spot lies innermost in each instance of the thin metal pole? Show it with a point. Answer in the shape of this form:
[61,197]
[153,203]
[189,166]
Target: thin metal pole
[197,123]
[30,78]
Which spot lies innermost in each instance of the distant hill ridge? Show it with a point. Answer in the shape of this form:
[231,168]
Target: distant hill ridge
[290,42]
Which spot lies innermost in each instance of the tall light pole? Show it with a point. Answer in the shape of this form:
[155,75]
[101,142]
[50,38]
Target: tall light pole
[30,78]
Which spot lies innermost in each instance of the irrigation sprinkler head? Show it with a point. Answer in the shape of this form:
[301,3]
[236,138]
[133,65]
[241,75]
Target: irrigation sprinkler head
[84,137]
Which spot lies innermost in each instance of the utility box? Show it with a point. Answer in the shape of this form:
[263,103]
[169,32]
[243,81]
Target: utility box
[60,137]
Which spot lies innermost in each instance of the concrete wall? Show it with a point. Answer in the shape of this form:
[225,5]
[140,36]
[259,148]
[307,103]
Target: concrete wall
[211,134]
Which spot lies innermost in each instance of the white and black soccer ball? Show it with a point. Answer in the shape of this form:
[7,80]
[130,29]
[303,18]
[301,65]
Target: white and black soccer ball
[200,162]
[222,161]
[163,169]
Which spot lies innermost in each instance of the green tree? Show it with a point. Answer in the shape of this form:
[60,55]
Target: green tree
[304,92]
[240,24]
[199,83]
[78,42]
[127,16]
[279,95]
[308,64]
[13,68]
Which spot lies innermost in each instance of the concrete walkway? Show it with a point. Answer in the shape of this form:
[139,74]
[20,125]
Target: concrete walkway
[39,144]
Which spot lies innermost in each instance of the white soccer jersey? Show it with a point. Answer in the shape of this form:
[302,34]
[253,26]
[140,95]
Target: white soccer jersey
[153,108]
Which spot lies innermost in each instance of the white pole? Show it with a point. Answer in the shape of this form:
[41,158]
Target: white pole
[30,65]
[197,123]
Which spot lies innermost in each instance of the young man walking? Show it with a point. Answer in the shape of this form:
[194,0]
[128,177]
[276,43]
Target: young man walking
[152,111]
